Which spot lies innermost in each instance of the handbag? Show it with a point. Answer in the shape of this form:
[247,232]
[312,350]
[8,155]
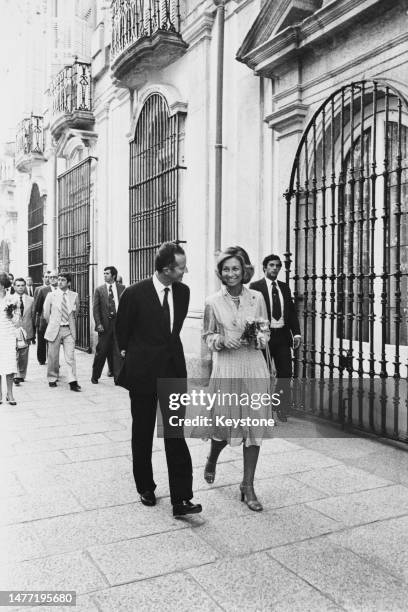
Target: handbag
[21,339]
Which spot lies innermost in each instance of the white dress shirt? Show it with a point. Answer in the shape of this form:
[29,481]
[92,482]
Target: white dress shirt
[115,294]
[274,323]
[160,293]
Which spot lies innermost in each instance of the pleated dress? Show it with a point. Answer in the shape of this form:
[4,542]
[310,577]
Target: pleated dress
[7,341]
[240,371]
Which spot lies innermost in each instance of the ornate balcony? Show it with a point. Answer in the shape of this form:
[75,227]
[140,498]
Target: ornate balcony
[29,143]
[71,99]
[145,36]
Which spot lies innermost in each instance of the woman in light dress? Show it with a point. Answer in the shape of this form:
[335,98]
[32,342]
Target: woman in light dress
[8,326]
[238,367]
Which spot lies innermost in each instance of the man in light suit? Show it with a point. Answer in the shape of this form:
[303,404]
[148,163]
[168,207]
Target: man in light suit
[105,307]
[60,309]
[26,312]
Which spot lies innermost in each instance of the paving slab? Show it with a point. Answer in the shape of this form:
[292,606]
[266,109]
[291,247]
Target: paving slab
[151,556]
[365,506]
[72,572]
[352,582]
[255,532]
[276,492]
[387,462]
[19,543]
[257,582]
[75,532]
[341,448]
[41,504]
[291,463]
[383,543]
[176,591]
[340,479]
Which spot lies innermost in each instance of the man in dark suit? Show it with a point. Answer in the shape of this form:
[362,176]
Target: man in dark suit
[105,308]
[150,317]
[25,310]
[50,280]
[285,329]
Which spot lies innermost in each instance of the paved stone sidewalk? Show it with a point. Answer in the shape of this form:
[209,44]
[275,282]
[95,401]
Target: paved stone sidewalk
[333,534]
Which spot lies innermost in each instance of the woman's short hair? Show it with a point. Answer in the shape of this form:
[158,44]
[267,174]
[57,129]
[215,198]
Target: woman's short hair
[4,280]
[242,256]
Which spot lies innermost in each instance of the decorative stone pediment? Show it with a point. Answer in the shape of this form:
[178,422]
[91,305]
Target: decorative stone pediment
[274,17]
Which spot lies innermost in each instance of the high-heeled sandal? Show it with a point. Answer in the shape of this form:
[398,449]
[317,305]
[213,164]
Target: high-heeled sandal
[11,402]
[253,503]
[209,474]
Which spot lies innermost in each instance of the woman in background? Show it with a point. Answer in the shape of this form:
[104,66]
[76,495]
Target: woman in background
[8,322]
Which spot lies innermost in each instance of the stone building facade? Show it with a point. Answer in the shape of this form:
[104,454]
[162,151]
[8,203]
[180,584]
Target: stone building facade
[191,119]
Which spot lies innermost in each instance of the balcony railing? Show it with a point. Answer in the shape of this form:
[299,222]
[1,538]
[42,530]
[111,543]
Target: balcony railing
[71,99]
[30,136]
[71,89]
[133,20]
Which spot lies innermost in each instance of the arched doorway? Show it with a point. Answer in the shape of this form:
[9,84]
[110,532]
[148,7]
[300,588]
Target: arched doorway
[347,230]
[36,235]
[155,165]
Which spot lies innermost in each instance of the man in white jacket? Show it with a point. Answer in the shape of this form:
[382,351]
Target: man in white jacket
[60,310]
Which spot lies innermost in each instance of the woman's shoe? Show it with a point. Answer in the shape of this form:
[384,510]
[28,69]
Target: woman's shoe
[209,471]
[248,496]
[11,402]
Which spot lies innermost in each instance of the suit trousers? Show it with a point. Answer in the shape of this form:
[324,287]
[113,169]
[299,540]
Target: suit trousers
[178,457]
[65,338]
[22,362]
[41,346]
[281,354]
[107,348]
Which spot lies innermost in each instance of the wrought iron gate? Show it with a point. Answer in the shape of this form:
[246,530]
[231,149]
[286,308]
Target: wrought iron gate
[155,164]
[74,187]
[347,228]
[36,235]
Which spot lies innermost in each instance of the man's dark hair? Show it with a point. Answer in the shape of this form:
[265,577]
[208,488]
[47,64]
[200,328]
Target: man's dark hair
[269,258]
[66,275]
[166,255]
[22,280]
[112,270]
[11,275]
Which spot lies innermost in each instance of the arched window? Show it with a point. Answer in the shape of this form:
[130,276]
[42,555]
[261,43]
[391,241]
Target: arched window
[155,165]
[36,235]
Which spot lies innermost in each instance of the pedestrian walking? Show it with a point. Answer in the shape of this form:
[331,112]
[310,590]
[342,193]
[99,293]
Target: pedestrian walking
[9,320]
[25,309]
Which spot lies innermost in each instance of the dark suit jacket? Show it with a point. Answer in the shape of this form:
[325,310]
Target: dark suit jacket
[39,300]
[142,333]
[292,326]
[101,304]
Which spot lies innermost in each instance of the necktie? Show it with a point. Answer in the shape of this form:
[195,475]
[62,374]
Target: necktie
[64,309]
[21,305]
[112,307]
[276,305]
[166,308]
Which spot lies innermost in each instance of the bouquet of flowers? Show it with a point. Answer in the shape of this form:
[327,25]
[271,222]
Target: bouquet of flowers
[255,331]
[10,307]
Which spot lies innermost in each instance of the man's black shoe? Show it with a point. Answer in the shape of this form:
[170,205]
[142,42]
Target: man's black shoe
[41,362]
[148,498]
[17,381]
[281,416]
[74,386]
[94,381]
[186,507]
[52,384]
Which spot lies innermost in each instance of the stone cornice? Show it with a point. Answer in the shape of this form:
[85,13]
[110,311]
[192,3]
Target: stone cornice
[267,57]
[199,29]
